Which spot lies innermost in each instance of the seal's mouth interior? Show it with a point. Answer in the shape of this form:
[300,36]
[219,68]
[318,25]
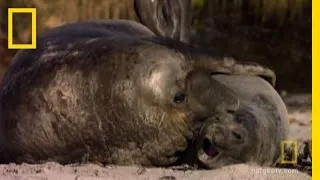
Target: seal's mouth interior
[210,148]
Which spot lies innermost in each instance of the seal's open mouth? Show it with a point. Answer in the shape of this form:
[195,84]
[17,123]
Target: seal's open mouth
[210,148]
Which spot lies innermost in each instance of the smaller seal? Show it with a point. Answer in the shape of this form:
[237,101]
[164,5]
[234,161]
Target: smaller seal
[253,133]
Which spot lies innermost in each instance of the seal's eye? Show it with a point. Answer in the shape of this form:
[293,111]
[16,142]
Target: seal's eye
[179,97]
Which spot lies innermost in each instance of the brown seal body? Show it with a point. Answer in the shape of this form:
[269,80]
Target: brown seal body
[117,100]
[113,92]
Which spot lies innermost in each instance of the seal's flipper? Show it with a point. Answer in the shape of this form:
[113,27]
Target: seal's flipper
[231,66]
[166,18]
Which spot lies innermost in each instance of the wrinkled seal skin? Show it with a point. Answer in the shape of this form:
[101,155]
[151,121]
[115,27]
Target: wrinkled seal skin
[114,92]
[252,133]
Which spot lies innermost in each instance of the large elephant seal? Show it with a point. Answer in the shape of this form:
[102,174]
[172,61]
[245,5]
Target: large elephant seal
[113,92]
[252,133]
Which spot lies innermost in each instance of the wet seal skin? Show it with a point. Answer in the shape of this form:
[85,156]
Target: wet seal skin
[253,133]
[114,92]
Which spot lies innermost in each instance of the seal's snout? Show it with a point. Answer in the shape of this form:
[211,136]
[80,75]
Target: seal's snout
[219,140]
[224,135]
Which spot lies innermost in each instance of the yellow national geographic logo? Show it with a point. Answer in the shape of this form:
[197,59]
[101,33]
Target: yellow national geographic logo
[33,12]
[289,152]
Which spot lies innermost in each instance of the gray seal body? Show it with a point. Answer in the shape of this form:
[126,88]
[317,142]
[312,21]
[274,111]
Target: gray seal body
[253,133]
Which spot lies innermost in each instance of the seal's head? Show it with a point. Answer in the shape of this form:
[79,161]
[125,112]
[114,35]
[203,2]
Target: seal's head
[253,132]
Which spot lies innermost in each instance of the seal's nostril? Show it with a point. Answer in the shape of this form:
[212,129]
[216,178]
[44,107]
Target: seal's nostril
[236,135]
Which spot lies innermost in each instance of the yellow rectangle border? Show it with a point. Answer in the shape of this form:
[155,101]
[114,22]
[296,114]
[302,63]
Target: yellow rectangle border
[315,89]
[295,159]
[33,12]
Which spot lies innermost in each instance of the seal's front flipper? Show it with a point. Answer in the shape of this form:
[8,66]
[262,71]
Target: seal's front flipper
[166,18]
[230,66]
